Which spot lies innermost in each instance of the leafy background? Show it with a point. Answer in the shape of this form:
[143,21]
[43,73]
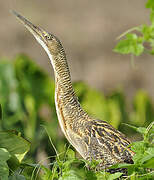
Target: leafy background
[27,99]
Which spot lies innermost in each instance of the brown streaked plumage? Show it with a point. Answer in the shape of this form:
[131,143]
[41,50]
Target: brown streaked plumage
[92,138]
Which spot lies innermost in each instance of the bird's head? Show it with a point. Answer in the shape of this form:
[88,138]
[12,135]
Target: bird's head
[48,41]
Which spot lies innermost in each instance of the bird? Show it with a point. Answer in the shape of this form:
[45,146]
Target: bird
[92,138]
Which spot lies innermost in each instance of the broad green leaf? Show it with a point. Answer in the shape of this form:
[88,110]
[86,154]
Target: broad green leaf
[15,144]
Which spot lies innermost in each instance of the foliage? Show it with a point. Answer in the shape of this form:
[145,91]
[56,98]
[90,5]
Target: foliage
[12,150]
[144,155]
[28,107]
[142,40]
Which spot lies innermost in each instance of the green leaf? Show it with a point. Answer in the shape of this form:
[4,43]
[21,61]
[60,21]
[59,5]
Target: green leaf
[15,144]
[131,45]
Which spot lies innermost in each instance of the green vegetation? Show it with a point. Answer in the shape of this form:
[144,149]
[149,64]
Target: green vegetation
[27,100]
[142,40]
[31,143]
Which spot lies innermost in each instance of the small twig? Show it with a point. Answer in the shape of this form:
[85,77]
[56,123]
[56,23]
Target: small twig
[128,31]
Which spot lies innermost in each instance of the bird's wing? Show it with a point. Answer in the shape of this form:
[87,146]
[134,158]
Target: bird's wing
[107,143]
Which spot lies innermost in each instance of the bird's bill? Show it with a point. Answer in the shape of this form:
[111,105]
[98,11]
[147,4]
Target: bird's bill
[37,32]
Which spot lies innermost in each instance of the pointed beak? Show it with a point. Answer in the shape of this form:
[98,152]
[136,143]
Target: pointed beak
[37,32]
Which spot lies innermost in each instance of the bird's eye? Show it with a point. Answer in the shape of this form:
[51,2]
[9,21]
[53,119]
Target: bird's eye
[48,37]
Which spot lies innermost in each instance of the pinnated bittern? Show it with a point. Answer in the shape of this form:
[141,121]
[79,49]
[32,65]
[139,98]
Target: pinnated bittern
[92,138]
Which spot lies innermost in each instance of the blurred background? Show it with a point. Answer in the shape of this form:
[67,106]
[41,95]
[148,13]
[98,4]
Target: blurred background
[88,31]
[105,82]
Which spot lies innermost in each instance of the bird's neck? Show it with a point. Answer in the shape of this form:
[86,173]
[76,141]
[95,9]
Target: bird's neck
[64,92]
[63,83]
[67,105]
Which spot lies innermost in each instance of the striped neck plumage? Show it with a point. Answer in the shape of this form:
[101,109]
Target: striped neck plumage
[61,71]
